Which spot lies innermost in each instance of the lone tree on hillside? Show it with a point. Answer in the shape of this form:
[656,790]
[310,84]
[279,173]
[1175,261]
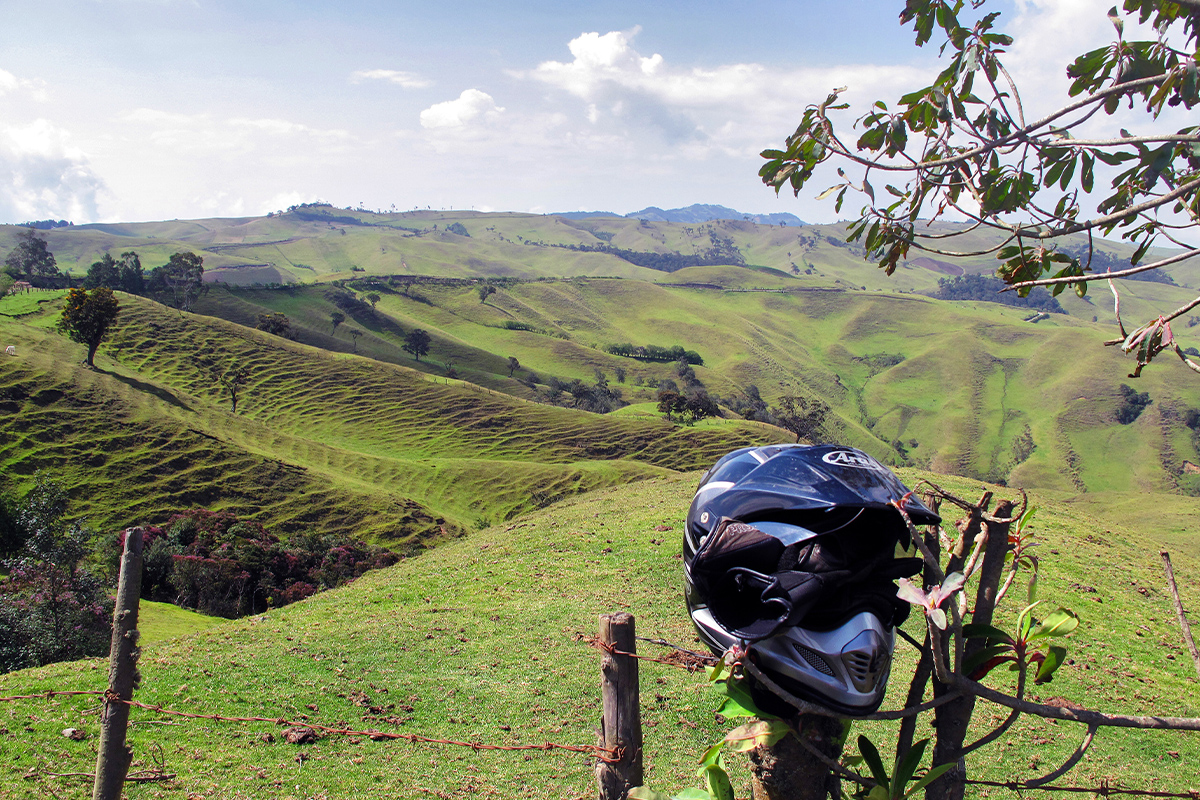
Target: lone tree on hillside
[181,280]
[337,318]
[277,324]
[513,365]
[232,380]
[373,298]
[485,291]
[803,416]
[87,316]
[963,148]
[417,343]
[31,257]
[354,334]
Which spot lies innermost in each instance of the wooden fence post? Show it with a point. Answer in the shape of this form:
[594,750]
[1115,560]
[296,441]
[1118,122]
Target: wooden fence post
[114,757]
[621,724]
[1179,612]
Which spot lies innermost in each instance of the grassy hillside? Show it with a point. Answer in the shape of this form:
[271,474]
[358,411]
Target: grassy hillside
[476,641]
[321,440]
[966,388]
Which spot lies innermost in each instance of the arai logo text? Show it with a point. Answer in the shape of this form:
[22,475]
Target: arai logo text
[845,458]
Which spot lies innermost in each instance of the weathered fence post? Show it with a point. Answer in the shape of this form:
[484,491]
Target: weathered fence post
[1183,620]
[621,724]
[114,757]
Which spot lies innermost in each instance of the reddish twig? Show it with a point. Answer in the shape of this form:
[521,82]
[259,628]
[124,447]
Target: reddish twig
[1179,612]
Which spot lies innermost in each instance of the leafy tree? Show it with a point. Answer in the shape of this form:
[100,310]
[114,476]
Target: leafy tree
[485,291]
[52,607]
[131,277]
[459,228]
[963,146]
[12,537]
[233,380]
[180,281]
[277,324]
[104,272]
[803,416]
[125,274]
[86,317]
[1133,403]
[513,365]
[670,404]
[31,257]
[416,342]
[337,318]
[354,334]
[373,298]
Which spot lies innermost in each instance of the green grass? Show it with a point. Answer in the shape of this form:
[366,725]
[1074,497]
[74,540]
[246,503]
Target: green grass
[476,641]
[160,622]
[970,378]
[322,441]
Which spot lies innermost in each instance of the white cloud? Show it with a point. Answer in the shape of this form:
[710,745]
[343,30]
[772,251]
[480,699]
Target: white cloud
[285,200]
[730,109]
[468,107]
[42,175]
[11,83]
[408,80]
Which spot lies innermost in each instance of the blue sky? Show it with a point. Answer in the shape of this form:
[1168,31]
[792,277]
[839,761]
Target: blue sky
[159,109]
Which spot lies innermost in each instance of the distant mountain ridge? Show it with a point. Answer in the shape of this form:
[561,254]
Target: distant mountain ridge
[697,212]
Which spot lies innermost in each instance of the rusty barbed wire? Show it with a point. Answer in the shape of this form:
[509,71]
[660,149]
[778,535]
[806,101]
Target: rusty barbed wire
[601,753]
[1103,790]
[49,694]
[682,658]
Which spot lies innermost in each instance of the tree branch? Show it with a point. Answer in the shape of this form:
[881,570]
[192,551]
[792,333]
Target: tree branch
[1124,273]
[1067,765]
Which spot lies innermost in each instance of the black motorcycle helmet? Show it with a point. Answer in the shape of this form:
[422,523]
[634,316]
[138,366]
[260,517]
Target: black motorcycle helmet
[793,549]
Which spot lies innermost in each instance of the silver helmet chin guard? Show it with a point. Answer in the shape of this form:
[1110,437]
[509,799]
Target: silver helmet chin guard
[792,551]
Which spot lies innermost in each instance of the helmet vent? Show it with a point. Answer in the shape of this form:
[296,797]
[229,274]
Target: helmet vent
[818,663]
[866,667]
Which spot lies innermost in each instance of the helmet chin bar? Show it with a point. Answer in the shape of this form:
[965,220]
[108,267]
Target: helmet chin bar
[845,669]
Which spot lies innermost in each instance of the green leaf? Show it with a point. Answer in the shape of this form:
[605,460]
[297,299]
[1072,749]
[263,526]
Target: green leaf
[646,793]
[1054,659]
[929,777]
[719,787]
[1060,622]
[712,755]
[1025,622]
[760,733]
[874,762]
[693,794]
[980,657]
[741,696]
[904,771]
[974,630]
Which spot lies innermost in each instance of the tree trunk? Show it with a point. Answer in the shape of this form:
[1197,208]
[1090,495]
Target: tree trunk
[787,771]
[952,719]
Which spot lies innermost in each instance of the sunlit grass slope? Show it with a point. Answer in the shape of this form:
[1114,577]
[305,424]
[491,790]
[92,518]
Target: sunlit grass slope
[476,641]
[321,441]
[956,385]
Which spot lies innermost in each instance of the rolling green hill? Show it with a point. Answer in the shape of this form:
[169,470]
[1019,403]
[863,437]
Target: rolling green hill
[322,440]
[966,388]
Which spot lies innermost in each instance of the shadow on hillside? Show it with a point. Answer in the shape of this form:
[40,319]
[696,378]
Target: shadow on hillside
[149,388]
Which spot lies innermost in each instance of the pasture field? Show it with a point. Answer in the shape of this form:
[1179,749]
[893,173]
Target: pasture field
[477,641]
